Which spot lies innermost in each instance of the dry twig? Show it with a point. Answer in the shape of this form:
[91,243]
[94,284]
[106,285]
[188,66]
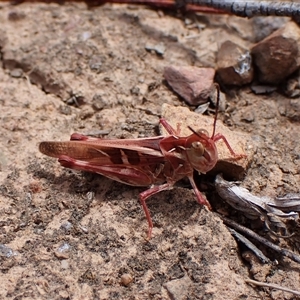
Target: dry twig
[249,8]
[247,231]
[273,286]
[250,245]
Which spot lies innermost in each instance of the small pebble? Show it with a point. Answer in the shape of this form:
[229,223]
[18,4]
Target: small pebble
[234,64]
[16,73]
[276,57]
[193,84]
[63,251]
[158,48]
[6,251]
[126,279]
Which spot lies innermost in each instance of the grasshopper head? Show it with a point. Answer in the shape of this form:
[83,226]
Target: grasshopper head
[201,151]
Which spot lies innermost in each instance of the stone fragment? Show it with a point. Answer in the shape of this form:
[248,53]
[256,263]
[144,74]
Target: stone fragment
[292,87]
[239,142]
[16,73]
[178,288]
[234,64]
[291,109]
[193,84]
[277,56]
[63,251]
[6,251]
[159,49]
[126,279]
[260,89]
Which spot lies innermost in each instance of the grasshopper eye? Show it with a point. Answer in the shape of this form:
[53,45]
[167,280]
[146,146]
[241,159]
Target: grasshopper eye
[203,131]
[198,148]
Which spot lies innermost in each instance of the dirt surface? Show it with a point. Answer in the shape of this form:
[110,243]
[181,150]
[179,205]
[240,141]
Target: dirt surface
[71,235]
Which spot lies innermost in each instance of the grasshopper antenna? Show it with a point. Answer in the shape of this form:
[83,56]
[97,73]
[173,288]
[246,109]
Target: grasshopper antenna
[217,109]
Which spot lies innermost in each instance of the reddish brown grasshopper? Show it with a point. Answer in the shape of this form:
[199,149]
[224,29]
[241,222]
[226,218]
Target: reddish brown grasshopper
[161,160]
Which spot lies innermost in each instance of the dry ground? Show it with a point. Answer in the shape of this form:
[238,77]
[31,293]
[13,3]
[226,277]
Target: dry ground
[73,234]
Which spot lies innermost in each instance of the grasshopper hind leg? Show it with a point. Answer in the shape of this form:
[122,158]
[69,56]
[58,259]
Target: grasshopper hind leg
[145,195]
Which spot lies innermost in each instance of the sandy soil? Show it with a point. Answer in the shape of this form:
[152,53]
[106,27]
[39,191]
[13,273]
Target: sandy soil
[72,235]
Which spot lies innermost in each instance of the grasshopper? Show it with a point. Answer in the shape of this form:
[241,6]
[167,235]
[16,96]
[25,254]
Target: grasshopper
[158,162]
